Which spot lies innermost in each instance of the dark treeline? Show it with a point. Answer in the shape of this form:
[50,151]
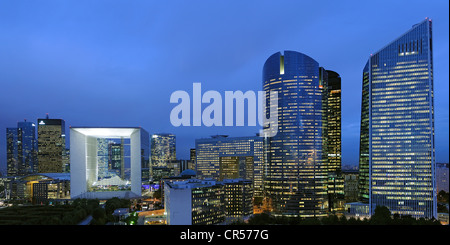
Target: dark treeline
[382,216]
[63,214]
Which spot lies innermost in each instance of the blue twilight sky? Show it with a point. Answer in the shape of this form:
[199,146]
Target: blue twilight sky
[116,63]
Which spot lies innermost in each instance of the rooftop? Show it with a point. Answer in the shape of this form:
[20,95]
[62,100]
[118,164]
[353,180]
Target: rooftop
[106,132]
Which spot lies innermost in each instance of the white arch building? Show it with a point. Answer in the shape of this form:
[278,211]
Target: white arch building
[86,172]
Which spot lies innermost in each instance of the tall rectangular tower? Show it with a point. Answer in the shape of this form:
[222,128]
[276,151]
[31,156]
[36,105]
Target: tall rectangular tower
[12,152]
[21,149]
[163,149]
[334,121]
[296,167]
[397,157]
[335,178]
[51,145]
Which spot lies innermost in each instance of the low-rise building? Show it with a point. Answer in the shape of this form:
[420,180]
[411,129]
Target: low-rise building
[357,210]
[207,202]
[443,218]
[194,202]
[40,188]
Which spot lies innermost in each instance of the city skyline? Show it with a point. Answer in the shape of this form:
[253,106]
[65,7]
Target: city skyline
[49,53]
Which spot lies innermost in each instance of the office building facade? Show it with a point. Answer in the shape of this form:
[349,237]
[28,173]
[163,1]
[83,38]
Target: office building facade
[335,187]
[21,149]
[191,201]
[194,202]
[351,191]
[397,153]
[238,195]
[334,121]
[296,167]
[51,145]
[163,149]
[192,154]
[40,188]
[145,157]
[221,157]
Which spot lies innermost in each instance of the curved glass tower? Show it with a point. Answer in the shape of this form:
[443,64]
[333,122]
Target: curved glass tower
[295,174]
[397,164]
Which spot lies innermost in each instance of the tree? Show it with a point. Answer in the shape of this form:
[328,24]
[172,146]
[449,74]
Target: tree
[310,221]
[331,220]
[98,216]
[69,219]
[258,201]
[260,219]
[157,194]
[99,213]
[112,204]
[382,216]
[132,219]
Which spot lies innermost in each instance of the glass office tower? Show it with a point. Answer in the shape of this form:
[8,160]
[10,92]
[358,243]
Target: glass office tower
[397,158]
[335,178]
[12,153]
[163,149]
[363,184]
[221,157]
[21,149]
[334,121]
[145,156]
[116,158]
[51,145]
[295,173]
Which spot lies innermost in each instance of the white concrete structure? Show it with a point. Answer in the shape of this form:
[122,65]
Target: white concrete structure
[178,204]
[178,200]
[84,161]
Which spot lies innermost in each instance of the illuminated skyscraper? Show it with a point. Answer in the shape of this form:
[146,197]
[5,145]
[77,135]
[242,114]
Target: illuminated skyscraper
[163,149]
[21,149]
[335,178]
[12,152]
[145,156]
[116,158]
[192,158]
[221,157]
[51,145]
[397,156]
[363,184]
[334,121]
[296,170]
